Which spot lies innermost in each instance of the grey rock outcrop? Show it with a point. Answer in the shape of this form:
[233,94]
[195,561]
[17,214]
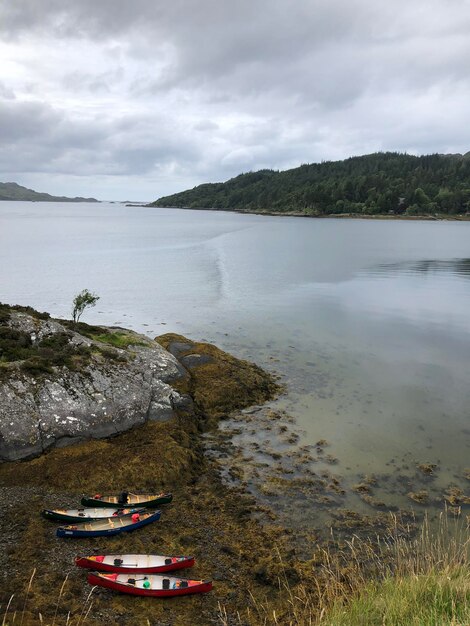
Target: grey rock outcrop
[104,397]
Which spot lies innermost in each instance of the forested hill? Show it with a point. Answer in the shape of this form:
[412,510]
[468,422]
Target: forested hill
[381,183]
[13,191]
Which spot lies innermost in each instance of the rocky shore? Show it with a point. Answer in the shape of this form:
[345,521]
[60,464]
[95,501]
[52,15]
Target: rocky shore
[188,418]
[457,217]
[190,387]
[59,386]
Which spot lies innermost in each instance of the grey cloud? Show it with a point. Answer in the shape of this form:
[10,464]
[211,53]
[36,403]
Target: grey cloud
[67,18]
[200,91]
[206,125]
[324,54]
[5,93]
[37,138]
[26,120]
[88,81]
[248,47]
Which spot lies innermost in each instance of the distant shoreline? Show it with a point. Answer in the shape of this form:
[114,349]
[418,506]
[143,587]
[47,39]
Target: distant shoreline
[378,216]
[12,192]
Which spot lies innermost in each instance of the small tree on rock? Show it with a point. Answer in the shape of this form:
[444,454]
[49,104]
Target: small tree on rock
[83,300]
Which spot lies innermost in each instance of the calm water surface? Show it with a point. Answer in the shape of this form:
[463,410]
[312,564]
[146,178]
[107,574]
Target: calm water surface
[367,321]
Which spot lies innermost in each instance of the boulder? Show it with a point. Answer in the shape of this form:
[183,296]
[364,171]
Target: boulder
[109,391]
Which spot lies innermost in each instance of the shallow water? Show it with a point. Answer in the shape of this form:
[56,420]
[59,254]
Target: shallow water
[366,321]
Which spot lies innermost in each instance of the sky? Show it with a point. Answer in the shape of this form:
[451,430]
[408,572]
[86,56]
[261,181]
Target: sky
[133,100]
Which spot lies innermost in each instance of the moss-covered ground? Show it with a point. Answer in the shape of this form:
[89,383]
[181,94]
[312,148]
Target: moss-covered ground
[206,519]
[115,337]
[219,382]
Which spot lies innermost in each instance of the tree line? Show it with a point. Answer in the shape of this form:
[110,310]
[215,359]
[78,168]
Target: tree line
[380,183]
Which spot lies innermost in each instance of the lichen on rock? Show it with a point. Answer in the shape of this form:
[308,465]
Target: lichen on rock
[62,383]
[58,386]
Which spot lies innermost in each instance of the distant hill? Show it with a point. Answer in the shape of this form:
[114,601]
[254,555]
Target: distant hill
[12,191]
[380,183]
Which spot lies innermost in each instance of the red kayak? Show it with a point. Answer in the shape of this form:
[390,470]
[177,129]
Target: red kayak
[134,563]
[149,585]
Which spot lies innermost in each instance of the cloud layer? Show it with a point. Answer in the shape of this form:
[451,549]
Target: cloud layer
[136,100]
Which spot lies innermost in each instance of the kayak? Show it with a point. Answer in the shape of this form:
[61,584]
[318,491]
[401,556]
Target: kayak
[136,563]
[128,499]
[149,585]
[71,516]
[109,526]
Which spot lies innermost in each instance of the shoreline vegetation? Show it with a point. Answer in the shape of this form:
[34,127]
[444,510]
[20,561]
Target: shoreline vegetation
[463,217]
[383,185]
[398,572]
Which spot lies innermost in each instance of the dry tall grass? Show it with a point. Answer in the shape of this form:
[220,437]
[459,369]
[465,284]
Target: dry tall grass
[29,616]
[377,582]
[425,582]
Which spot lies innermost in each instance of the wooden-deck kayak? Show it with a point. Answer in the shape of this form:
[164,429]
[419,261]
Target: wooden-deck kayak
[109,526]
[134,563]
[150,501]
[152,585]
[70,516]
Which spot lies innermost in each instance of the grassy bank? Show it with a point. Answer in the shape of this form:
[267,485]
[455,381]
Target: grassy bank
[425,582]
[437,598]
[388,582]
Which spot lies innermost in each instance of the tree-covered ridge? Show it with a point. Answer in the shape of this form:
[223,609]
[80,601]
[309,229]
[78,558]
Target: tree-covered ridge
[381,183]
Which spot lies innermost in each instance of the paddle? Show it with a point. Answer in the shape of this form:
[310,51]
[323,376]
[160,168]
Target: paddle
[120,563]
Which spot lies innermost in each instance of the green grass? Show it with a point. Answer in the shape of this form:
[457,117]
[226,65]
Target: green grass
[440,598]
[387,581]
[115,337]
[118,339]
[425,582]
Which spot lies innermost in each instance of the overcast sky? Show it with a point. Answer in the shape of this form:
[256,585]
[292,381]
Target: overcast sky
[135,99]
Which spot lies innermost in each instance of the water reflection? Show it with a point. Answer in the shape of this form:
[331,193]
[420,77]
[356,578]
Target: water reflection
[457,267]
[366,321]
